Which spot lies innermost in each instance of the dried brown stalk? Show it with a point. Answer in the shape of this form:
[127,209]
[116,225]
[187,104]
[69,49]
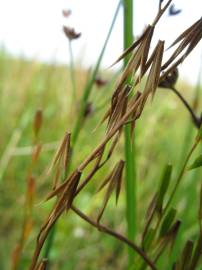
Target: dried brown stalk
[118,236]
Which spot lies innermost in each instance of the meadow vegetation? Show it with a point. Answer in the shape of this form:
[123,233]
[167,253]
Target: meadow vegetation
[38,111]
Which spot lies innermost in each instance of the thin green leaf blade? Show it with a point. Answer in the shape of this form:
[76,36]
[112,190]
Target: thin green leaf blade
[164,184]
[167,222]
[148,239]
[196,164]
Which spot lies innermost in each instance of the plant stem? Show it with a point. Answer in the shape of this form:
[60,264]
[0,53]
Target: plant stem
[195,119]
[131,206]
[118,236]
[72,72]
[179,178]
[49,244]
[89,85]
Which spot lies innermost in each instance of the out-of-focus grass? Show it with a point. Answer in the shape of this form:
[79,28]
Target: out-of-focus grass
[28,85]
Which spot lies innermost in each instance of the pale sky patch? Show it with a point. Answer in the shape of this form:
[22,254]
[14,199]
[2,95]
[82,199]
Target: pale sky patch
[33,28]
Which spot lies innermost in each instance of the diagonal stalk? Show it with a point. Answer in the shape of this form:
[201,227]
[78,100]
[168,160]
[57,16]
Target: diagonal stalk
[116,235]
[179,178]
[195,119]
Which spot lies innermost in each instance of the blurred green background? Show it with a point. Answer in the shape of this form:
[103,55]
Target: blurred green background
[164,134]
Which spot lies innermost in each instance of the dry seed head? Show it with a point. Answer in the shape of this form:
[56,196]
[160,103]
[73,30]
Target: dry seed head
[31,187]
[136,113]
[118,107]
[100,82]
[36,152]
[70,33]
[104,118]
[138,59]
[63,152]
[38,119]
[66,13]
[59,189]
[145,51]
[114,182]
[114,143]
[187,34]
[154,74]
[134,45]
[170,80]
[57,176]
[88,110]
[67,152]
[63,203]
[188,39]
[71,193]
[105,182]
[173,11]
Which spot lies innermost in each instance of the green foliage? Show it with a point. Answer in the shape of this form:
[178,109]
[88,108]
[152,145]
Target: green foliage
[167,222]
[45,86]
[164,184]
[149,238]
[197,163]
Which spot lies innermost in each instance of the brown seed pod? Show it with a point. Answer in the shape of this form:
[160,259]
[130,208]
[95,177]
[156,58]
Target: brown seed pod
[89,109]
[100,82]
[70,33]
[66,13]
[170,80]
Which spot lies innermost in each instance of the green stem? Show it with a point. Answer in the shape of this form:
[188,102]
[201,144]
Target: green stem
[49,244]
[90,83]
[131,206]
[130,184]
[179,178]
